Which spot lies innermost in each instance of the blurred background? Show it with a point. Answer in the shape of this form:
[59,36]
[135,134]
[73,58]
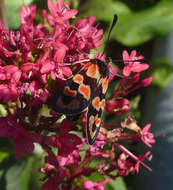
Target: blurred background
[146,26]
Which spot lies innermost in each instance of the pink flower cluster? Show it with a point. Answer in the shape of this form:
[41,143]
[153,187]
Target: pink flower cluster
[32,67]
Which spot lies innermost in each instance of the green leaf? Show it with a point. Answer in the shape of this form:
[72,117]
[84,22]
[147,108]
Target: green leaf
[94,177]
[133,28]
[136,28]
[27,174]
[162,73]
[5,150]
[3,155]
[1,173]
[18,175]
[3,111]
[13,12]
[36,176]
[117,184]
[2,180]
[135,102]
[103,10]
[74,4]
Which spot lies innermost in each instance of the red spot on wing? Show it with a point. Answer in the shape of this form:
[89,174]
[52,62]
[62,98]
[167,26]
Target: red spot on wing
[96,103]
[102,104]
[85,91]
[91,123]
[87,65]
[98,121]
[69,92]
[93,71]
[78,78]
[105,83]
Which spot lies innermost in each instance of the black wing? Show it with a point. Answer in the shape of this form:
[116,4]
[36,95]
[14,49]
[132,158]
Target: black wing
[95,113]
[71,98]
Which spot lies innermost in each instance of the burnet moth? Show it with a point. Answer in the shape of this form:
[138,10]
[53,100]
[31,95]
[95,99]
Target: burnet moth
[85,91]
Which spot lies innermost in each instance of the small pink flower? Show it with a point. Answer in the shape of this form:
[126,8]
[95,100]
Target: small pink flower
[47,67]
[99,143]
[69,159]
[23,139]
[112,72]
[140,160]
[96,148]
[124,164]
[3,32]
[67,144]
[55,70]
[10,73]
[134,78]
[95,185]
[24,142]
[87,35]
[54,173]
[53,182]
[39,94]
[68,151]
[60,50]
[29,67]
[101,56]
[8,92]
[146,136]
[117,106]
[131,65]
[61,13]
[146,82]
[64,71]
[27,15]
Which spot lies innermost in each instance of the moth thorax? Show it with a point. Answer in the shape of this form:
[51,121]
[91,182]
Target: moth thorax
[102,66]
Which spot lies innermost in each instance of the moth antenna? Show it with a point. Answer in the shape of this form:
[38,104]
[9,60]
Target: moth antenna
[112,26]
[76,62]
[122,61]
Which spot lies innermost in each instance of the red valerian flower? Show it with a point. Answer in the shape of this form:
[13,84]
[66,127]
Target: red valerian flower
[68,153]
[34,63]
[95,185]
[8,92]
[54,173]
[146,82]
[130,155]
[22,138]
[69,159]
[24,142]
[99,144]
[9,75]
[112,72]
[40,95]
[56,70]
[61,12]
[96,148]
[27,15]
[140,160]
[88,36]
[117,106]
[143,134]
[146,136]
[131,65]
[124,165]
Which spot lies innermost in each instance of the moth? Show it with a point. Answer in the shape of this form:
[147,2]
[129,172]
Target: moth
[85,91]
